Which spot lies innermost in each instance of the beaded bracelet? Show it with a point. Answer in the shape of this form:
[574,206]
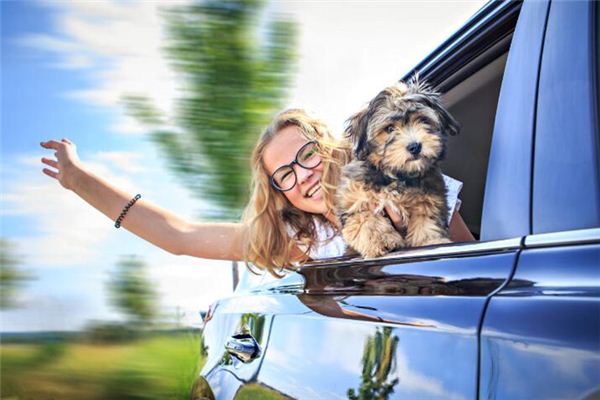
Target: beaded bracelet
[124,212]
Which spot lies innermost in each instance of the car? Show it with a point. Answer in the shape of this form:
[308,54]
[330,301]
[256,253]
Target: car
[513,315]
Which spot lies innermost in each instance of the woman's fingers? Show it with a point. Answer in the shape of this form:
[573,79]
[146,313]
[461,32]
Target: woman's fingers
[50,162]
[396,218]
[52,144]
[50,173]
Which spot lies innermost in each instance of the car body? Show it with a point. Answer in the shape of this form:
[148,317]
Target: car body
[513,315]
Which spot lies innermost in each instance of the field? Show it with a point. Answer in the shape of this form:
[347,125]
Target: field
[160,366]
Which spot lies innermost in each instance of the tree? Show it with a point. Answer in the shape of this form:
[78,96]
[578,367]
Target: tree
[132,292]
[378,362]
[12,278]
[234,78]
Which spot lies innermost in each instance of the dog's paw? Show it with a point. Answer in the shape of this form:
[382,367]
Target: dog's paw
[383,244]
[371,235]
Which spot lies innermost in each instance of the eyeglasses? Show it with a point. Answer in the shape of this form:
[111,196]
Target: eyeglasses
[284,178]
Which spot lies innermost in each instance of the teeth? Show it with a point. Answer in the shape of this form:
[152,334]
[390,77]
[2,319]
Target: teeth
[313,191]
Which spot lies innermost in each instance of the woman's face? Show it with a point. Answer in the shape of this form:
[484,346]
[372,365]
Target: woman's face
[307,194]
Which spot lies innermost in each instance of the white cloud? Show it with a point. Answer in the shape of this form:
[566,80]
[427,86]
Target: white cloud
[342,64]
[124,160]
[69,231]
[47,42]
[350,51]
[120,45]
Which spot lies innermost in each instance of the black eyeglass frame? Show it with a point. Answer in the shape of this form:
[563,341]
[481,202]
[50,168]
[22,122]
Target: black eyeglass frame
[291,166]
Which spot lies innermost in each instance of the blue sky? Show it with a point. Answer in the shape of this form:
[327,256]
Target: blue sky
[65,65]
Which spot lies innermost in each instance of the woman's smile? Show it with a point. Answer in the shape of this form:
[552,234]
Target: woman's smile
[306,194]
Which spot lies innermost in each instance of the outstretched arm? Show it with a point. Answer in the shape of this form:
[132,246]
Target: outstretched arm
[160,227]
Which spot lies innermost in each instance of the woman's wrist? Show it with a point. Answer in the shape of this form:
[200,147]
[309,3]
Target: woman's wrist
[75,175]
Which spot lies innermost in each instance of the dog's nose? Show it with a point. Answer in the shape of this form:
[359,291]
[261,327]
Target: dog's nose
[414,148]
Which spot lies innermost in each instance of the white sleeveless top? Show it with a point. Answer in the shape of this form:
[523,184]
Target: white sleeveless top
[331,244]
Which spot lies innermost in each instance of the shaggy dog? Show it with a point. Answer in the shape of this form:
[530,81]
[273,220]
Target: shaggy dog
[397,143]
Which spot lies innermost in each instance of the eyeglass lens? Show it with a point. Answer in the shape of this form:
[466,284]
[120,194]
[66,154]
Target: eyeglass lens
[307,157]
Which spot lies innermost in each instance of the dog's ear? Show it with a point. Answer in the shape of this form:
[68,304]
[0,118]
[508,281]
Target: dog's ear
[431,98]
[356,132]
[449,124]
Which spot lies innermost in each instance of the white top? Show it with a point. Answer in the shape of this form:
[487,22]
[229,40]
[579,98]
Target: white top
[331,244]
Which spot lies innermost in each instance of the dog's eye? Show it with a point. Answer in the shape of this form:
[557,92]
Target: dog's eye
[424,121]
[389,128]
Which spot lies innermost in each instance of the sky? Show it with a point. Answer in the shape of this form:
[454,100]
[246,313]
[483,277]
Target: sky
[65,67]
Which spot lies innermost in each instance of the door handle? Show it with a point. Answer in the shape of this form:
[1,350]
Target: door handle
[243,346]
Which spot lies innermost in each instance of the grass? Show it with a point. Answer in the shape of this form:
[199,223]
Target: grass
[156,367]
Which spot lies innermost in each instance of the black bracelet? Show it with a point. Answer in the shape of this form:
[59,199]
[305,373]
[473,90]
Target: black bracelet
[124,212]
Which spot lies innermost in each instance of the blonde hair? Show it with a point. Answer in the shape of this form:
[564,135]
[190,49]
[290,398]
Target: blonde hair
[269,216]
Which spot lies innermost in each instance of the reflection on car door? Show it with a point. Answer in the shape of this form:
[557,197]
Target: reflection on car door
[406,325]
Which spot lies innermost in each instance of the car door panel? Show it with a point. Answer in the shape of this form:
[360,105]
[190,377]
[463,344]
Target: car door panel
[566,195]
[540,336]
[406,327]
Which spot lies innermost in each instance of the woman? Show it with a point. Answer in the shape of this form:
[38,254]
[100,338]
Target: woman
[296,166]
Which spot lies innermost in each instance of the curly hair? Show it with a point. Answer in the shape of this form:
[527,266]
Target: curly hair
[270,217]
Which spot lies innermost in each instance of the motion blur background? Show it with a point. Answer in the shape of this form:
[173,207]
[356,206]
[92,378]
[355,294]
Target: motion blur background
[164,99]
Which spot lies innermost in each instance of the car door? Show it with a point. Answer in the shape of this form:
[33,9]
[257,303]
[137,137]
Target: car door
[405,325]
[541,333]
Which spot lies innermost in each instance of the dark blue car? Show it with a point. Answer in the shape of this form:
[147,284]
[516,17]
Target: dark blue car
[515,315]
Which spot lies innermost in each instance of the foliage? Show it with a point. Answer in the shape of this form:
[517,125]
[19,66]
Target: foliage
[234,74]
[12,278]
[256,391]
[132,292]
[157,367]
[110,332]
[378,357]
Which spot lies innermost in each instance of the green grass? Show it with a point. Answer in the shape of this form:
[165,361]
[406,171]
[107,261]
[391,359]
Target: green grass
[156,367]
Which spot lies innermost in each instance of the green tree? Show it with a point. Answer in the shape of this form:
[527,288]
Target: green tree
[378,362]
[234,74]
[131,291]
[12,278]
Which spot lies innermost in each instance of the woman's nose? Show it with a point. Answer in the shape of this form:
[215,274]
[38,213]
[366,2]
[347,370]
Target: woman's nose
[303,174]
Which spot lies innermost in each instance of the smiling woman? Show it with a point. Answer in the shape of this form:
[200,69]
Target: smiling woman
[290,218]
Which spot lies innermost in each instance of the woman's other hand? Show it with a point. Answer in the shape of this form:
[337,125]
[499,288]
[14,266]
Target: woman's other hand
[66,164]
[399,221]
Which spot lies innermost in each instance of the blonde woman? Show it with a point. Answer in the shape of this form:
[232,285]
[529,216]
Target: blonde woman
[289,219]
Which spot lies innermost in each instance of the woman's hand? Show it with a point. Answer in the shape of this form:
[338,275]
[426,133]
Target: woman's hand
[399,221]
[66,164]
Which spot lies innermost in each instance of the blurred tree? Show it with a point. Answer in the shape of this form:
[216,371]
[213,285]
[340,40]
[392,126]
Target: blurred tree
[131,291]
[378,362]
[12,278]
[234,74]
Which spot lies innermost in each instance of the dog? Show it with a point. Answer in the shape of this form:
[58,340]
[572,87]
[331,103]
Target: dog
[397,143]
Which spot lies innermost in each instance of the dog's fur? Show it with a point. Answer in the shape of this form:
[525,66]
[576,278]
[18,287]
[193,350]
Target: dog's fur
[384,172]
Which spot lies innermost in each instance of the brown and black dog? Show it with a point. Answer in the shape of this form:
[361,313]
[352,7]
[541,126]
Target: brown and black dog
[398,141]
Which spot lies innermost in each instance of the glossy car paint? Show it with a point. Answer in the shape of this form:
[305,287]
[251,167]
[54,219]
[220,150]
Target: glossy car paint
[506,204]
[565,182]
[541,333]
[432,306]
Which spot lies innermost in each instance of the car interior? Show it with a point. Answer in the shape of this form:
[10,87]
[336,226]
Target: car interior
[471,95]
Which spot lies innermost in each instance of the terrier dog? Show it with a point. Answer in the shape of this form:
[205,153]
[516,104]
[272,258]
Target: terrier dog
[397,143]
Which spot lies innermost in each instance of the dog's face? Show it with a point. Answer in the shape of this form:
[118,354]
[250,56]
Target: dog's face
[402,130]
